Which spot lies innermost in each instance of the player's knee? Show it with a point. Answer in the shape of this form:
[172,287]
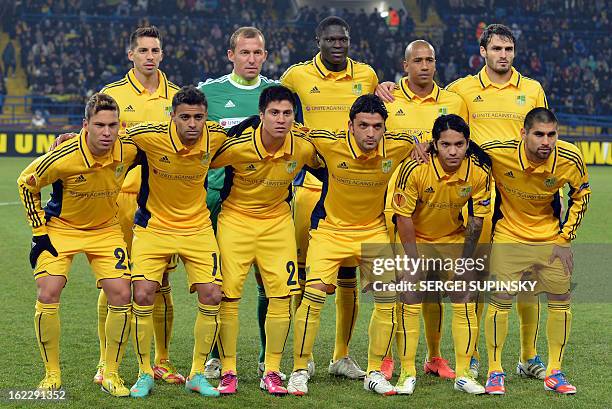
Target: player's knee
[143,294]
[50,289]
[49,296]
[318,286]
[209,294]
[559,297]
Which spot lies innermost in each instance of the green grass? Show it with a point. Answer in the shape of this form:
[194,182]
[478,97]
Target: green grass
[587,358]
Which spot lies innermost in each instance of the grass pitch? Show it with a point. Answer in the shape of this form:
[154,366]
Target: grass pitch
[587,358]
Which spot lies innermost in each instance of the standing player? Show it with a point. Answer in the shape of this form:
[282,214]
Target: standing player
[172,218]
[144,94]
[418,101]
[497,99]
[530,236]
[427,203]
[327,86]
[81,217]
[358,164]
[255,226]
[232,98]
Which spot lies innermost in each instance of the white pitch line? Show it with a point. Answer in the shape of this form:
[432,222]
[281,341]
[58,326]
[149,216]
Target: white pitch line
[9,203]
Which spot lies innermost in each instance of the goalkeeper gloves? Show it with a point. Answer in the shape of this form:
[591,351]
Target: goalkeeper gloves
[40,244]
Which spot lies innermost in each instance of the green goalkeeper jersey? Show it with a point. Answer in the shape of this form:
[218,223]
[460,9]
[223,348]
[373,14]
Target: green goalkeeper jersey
[230,100]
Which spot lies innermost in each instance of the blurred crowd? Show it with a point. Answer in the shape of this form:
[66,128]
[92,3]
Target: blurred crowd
[74,47]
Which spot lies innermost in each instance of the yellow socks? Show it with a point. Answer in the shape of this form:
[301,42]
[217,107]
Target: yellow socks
[205,331]
[228,335]
[347,308]
[47,327]
[558,327]
[480,309]
[117,335]
[528,308]
[278,321]
[306,326]
[380,333]
[496,329]
[433,313]
[407,335]
[465,328]
[163,320]
[102,310]
[142,335]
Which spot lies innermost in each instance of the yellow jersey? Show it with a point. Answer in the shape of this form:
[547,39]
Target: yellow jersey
[416,115]
[172,195]
[85,187]
[355,183]
[136,105]
[326,96]
[497,111]
[528,204]
[434,198]
[258,183]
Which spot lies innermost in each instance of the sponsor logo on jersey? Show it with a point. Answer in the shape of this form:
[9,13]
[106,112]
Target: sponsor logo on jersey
[400,112]
[229,122]
[478,99]
[343,165]
[550,182]
[129,108]
[80,179]
[400,199]
[315,90]
[251,167]
[230,104]
[386,165]
[509,174]
[164,159]
[430,190]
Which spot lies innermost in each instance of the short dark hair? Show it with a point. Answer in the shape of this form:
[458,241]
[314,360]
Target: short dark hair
[100,102]
[450,121]
[246,32]
[275,93]
[331,21]
[189,95]
[496,29]
[539,115]
[148,31]
[369,104]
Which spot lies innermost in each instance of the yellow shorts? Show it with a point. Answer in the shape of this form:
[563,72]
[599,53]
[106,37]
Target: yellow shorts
[269,243]
[332,248]
[152,250]
[304,202]
[512,261]
[127,208]
[104,248]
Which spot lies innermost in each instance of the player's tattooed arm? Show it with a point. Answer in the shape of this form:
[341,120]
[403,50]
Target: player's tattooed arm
[472,234]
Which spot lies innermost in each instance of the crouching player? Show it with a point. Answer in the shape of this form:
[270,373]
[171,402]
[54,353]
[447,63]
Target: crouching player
[530,235]
[255,226]
[359,163]
[427,204]
[86,174]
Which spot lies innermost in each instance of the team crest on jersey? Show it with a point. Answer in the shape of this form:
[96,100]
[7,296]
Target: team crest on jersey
[550,182]
[357,88]
[168,110]
[465,191]
[386,165]
[119,170]
[291,165]
[205,158]
[442,111]
[521,99]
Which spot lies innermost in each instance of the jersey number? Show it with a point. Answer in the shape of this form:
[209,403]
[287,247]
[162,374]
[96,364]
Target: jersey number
[120,255]
[291,270]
